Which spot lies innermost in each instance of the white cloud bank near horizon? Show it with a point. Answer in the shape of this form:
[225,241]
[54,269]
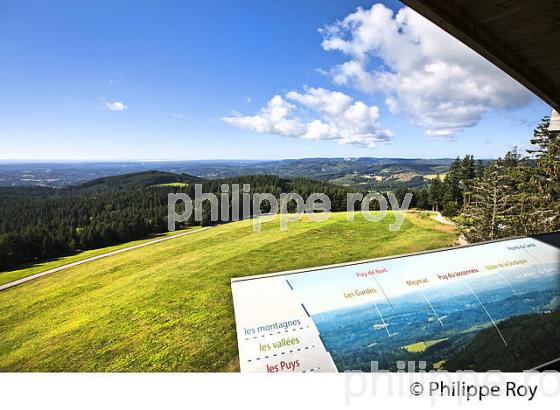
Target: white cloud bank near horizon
[439,83]
[421,71]
[317,114]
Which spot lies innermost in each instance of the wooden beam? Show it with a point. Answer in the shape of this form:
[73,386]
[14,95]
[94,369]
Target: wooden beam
[450,16]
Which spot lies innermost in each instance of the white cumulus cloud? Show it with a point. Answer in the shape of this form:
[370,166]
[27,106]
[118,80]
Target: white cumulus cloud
[317,114]
[116,106]
[441,84]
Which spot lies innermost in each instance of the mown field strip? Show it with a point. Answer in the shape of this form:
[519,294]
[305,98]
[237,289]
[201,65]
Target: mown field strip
[93,258]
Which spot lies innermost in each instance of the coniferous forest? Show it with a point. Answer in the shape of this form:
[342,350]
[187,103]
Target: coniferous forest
[39,223]
[517,194]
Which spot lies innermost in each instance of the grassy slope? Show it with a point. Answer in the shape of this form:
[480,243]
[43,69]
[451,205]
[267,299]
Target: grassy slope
[167,307]
[16,274]
[420,347]
[174,184]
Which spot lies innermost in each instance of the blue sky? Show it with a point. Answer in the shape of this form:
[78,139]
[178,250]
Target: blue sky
[159,80]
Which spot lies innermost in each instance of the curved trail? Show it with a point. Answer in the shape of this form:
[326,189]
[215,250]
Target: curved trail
[437,216]
[93,258]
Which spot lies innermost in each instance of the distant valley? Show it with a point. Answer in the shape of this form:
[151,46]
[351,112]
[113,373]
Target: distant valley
[364,173]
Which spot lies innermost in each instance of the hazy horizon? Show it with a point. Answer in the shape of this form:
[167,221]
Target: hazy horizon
[109,161]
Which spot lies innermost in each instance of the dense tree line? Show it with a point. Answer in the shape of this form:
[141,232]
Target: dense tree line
[41,223]
[513,195]
[516,195]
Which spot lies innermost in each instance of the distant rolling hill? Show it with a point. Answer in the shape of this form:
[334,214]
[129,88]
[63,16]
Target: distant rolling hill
[532,340]
[366,172]
[139,179]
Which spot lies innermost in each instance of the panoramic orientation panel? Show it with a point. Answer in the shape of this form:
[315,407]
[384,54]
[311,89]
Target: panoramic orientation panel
[493,306]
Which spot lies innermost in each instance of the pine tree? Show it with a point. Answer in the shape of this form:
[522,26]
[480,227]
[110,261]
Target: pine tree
[469,171]
[480,169]
[531,215]
[488,215]
[546,176]
[435,194]
[512,158]
[452,189]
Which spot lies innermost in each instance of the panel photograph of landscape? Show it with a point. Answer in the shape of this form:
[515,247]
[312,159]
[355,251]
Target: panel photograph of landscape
[467,341]
[449,326]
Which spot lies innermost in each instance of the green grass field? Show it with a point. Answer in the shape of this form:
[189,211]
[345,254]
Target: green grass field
[419,347]
[16,274]
[430,177]
[168,307]
[174,184]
